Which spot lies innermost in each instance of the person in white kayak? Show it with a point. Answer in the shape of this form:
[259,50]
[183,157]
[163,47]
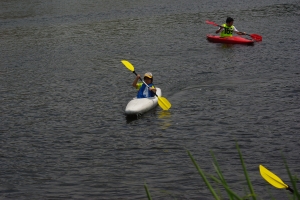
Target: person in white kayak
[144,91]
[228,29]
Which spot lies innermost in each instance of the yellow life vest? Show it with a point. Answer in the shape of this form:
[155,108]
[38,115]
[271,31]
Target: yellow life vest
[227,31]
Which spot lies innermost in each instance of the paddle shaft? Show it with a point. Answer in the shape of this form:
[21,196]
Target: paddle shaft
[290,189]
[213,23]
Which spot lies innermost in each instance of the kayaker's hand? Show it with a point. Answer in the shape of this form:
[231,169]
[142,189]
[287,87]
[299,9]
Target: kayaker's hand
[153,89]
[134,84]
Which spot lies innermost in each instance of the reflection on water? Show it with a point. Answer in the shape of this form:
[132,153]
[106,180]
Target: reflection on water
[165,117]
[131,118]
[164,114]
[227,46]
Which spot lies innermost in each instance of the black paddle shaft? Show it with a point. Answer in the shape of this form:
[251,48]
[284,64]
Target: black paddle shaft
[290,189]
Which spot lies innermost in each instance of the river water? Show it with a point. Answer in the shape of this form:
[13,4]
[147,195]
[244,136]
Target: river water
[63,92]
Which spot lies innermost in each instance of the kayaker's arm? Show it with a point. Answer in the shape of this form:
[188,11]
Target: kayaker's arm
[241,33]
[134,84]
[218,31]
[153,89]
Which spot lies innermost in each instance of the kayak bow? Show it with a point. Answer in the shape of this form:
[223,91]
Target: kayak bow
[142,105]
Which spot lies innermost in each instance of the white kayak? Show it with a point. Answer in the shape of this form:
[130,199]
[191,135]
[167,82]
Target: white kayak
[142,105]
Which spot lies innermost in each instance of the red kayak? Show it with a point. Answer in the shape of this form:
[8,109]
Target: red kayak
[229,40]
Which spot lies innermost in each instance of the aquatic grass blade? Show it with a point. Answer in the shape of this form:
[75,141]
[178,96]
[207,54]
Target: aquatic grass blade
[228,190]
[218,170]
[246,173]
[223,182]
[147,191]
[293,181]
[203,177]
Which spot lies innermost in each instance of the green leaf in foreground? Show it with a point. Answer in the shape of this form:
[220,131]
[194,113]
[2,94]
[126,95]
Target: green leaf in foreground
[147,191]
[203,176]
[221,177]
[246,173]
[292,179]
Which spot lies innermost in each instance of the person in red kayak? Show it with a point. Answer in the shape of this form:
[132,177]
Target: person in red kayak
[144,91]
[228,29]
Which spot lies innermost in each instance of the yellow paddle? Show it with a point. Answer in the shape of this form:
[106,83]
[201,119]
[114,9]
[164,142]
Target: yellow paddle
[273,179]
[162,101]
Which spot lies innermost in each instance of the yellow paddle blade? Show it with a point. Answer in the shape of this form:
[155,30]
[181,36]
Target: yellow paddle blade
[272,178]
[164,103]
[128,65]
